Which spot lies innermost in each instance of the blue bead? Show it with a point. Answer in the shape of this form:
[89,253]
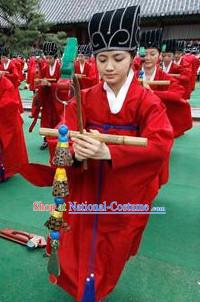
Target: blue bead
[59,200]
[55,235]
[141,74]
[63,139]
[63,130]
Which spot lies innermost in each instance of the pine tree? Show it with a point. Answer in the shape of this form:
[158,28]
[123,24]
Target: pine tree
[24,27]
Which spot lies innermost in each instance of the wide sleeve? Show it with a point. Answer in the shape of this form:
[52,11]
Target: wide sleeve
[174,92]
[146,162]
[13,75]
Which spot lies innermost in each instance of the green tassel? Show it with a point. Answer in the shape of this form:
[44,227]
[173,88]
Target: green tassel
[53,266]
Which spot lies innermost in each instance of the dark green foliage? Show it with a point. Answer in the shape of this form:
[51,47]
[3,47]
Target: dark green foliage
[24,27]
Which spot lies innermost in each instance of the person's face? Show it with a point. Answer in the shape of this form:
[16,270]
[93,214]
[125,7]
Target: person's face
[50,60]
[81,58]
[178,55]
[4,59]
[151,58]
[113,66]
[167,57]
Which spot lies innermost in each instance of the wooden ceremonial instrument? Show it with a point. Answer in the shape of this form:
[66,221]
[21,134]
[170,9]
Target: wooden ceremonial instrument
[159,83]
[176,75]
[49,80]
[4,72]
[79,110]
[80,74]
[104,138]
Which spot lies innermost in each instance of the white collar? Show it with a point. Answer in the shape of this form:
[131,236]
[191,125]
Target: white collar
[167,68]
[179,62]
[116,102]
[152,76]
[82,67]
[52,68]
[6,65]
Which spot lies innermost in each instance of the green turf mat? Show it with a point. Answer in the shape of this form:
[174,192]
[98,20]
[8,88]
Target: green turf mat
[167,267]
[195,97]
[25,94]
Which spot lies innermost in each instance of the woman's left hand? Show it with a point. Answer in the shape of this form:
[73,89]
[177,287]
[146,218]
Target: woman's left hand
[87,147]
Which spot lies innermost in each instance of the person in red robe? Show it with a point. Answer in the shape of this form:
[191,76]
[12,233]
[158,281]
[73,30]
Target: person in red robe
[191,59]
[180,72]
[102,244]
[180,61]
[173,94]
[18,63]
[8,68]
[51,108]
[93,73]
[34,72]
[13,154]
[83,69]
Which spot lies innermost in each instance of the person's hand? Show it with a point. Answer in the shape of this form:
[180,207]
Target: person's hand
[86,147]
[44,82]
[146,85]
[80,76]
[2,73]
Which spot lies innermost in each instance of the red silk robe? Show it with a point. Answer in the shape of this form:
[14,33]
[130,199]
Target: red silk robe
[137,63]
[194,62]
[13,76]
[131,176]
[178,109]
[93,72]
[52,109]
[35,72]
[89,79]
[19,66]
[12,144]
[183,78]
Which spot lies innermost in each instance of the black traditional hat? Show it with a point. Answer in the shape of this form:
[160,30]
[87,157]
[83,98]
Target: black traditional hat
[115,30]
[169,46]
[50,49]
[84,49]
[195,48]
[4,51]
[151,38]
[188,47]
[180,45]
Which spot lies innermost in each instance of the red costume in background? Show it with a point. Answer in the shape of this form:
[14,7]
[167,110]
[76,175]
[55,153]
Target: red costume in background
[52,109]
[89,77]
[35,70]
[19,65]
[13,76]
[178,109]
[183,78]
[194,62]
[12,144]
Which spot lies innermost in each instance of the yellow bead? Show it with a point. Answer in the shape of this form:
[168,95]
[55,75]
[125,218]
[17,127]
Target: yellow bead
[60,174]
[57,214]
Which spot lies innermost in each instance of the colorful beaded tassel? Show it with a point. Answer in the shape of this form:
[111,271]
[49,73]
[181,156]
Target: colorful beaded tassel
[55,223]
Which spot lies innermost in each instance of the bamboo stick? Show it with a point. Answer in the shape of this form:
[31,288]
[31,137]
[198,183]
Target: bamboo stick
[80,75]
[38,80]
[79,110]
[159,83]
[105,138]
[176,75]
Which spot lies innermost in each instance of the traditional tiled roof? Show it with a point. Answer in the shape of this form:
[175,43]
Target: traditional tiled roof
[77,11]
